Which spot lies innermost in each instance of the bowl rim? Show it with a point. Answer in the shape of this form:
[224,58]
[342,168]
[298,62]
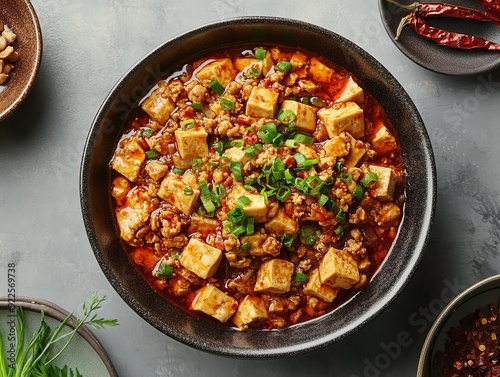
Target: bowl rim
[36,67]
[482,286]
[300,348]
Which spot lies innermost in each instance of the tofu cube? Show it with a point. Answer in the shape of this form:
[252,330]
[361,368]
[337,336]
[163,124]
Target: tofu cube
[315,288]
[211,301]
[156,169]
[281,224]
[262,103]
[342,117]
[134,213]
[172,191]
[120,188]
[158,107]
[338,269]
[336,147]
[256,240]
[247,64]
[305,120]
[235,154]
[358,150]
[274,276]
[192,143]
[128,158]
[200,258]
[352,93]
[319,71]
[384,142]
[257,208]
[251,311]
[386,182]
[221,70]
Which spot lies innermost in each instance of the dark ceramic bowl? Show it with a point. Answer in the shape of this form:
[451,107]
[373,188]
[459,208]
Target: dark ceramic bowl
[20,16]
[476,297]
[387,283]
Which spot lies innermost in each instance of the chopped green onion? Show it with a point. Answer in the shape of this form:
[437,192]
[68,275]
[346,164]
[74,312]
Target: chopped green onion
[306,231]
[236,215]
[226,104]
[278,169]
[242,201]
[304,139]
[249,151]
[238,143]
[286,116]
[162,270]
[358,192]
[188,190]
[299,276]
[267,132]
[235,167]
[218,192]
[339,230]
[260,53]
[318,102]
[177,170]
[288,176]
[283,193]
[197,106]
[303,163]
[283,66]
[304,100]
[286,239]
[208,204]
[252,73]
[196,163]
[292,144]
[219,147]
[339,166]
[151,153]
[147,132]
[228,226]
[216,87]
[258,147]
[310,240]
[323,199]
[246,246]
[345,177]
[341,216]
[187,124]
[369,178]
[250,227]
[239,230]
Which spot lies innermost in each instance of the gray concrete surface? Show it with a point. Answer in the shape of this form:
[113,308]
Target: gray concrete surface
[89,44]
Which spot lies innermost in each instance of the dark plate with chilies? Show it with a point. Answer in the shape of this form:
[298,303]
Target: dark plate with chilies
[443,59]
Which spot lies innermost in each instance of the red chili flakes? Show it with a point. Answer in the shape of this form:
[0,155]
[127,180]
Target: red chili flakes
[472,348]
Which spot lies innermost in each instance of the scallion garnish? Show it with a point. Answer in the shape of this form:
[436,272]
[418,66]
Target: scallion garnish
[188,190]
[299,276]
[219,147]
[246,246]
[236,215]
[238,143]
[197,106]
[250,226]
[345,177]
[323,199]
[260,53]
[151,153]
[287,240]
[252,73]
[283,193]
[177,170]
[196,163]
[239,230]
[226,104]
[304,139]
[286,116]
[216,87]
[339,166]
[339,230]
[242,201]
[292,144]
[228,226]
[358,192]
[250,151]
[341,216]
[304,100]
[147,132]
[369,178]
[318,102]
[283,66]
[162,270]
[187,124]
[235,167]
[270,135]
[206,197]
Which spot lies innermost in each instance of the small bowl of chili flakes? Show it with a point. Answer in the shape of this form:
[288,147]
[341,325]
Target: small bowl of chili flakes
[465,338]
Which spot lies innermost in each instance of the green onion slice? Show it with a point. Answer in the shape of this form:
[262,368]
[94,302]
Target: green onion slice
[235,167]
[162,270]
[250,226]
[287,240]
[228,226]
[303,139]
[197,106]
[283,66]
[216,87]
[188,190]
[147,132]
[318,102]
[292,144]
[252,73]
[239,230]
[236,215]
[187,124]
[339,230]
[369,178]
[345,177]
[323,199]
[260,53]
[196,163]
[339,166]
[341,216]
[286,116]
[226,104]
[151,153]
[299,276]
[238,143]
[246,246]
[242,201]
[358,192]
[283,193]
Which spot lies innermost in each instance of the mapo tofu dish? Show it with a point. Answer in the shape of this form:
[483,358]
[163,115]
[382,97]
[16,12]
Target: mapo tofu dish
[258,187]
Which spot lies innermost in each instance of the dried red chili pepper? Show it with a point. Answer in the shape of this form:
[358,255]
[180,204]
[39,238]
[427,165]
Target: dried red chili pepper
[430,9]
[492,6]
[444,37]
